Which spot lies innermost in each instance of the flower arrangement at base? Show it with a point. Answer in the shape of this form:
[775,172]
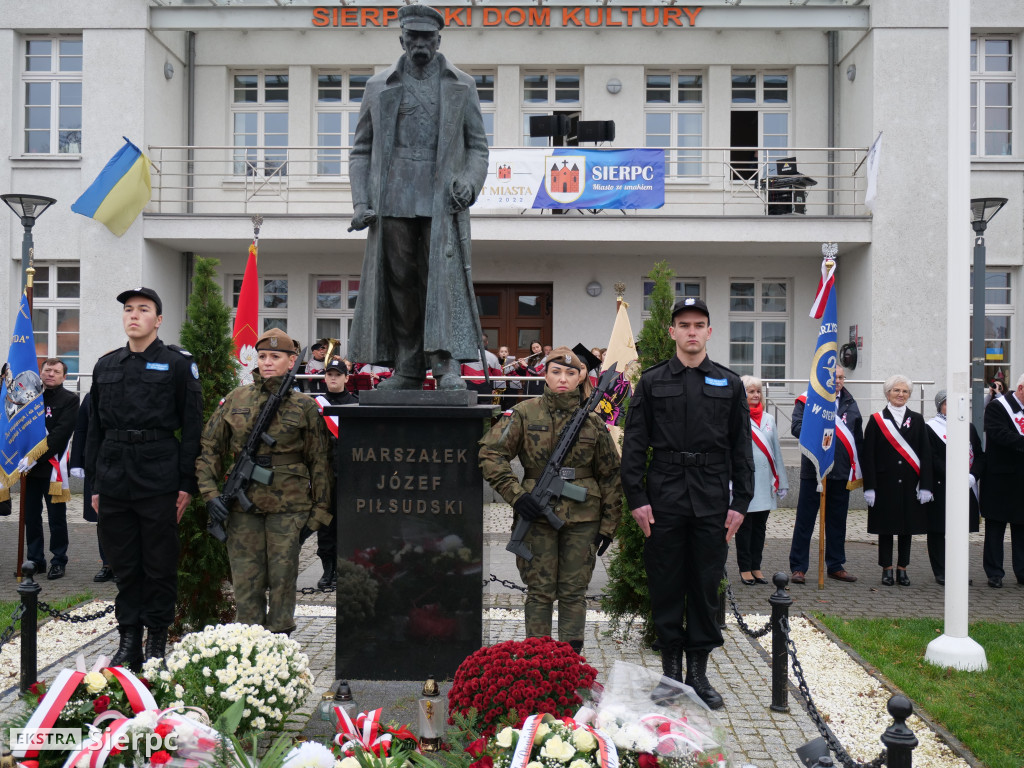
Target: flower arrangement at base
[234,662]
[544,742]
[364,742]
[507,681]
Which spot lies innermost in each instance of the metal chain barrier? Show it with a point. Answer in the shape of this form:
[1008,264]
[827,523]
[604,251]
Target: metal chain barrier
[812,711]
[8,633]
[317,590]
[64,616]
[520,588]
[755,633]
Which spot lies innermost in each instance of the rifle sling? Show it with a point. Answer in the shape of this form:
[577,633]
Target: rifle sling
[278,459]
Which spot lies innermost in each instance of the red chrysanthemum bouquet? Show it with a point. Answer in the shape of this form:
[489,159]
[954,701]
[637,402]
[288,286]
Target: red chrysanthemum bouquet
[533,676]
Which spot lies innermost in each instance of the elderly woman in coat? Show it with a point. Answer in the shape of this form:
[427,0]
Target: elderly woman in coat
[770,483]
[897,465]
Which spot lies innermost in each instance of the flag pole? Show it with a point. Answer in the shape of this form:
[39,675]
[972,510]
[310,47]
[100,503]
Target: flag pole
[821,535]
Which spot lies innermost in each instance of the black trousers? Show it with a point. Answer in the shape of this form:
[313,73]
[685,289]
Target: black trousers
[750,541]
[406,250]
[685,557]
[140,541]
[327,537]
[36,493]
[885,550]
[937,552]
[992,556]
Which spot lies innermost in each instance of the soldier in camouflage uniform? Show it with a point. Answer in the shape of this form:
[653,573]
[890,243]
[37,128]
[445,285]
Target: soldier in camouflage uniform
[263,544]
[563,560]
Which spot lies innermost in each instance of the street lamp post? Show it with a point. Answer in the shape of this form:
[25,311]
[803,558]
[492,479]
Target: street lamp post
[28,208]
[982,211]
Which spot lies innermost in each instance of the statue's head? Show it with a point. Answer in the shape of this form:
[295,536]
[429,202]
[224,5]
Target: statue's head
[421,32]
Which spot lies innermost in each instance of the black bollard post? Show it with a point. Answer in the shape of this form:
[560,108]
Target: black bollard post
[29,591]
[898,739]
[780,602]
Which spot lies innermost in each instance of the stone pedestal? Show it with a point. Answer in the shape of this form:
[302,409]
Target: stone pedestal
[410,528]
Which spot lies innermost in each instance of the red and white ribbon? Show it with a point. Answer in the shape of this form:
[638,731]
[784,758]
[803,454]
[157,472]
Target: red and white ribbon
[846,440]
[362,733]
[825,286]
[332,421]
[673,733]
[1017,419]
[50,707]
[138,694]
[897,441]
[759,441]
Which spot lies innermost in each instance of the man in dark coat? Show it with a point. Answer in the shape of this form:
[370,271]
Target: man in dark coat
[44,479]
[76,468]
[1002,503]
[418,162]
[693,413]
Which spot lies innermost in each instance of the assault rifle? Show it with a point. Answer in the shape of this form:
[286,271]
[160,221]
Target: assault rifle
[246,469]
[554,481]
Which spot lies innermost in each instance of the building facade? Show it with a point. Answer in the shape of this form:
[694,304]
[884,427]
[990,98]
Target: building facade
[248,107]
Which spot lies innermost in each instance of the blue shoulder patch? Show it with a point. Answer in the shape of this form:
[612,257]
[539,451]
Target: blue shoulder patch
[716,382]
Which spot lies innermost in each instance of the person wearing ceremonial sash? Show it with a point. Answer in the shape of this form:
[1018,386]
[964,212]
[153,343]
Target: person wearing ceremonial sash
[693,413]
[770,483]
[936,509]
[846,474]
[44,481]
[336,378]
[1002,502]
[897,477]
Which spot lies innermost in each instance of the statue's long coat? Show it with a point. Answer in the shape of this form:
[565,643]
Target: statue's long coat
[461,154]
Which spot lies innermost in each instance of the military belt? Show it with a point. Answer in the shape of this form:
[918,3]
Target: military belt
[278,459]
[415,153]
[689,459]
[566,473]
[138,435]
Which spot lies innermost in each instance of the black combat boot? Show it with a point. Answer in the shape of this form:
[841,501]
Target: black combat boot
[330,576]
[697,678]
[672,668]
[576,645]
[129,651]
[156,643]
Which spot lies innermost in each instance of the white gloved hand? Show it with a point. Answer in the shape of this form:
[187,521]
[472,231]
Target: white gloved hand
[25,465]
[972,481]
[869,497]
[781,493]
[924,496]
[76,472]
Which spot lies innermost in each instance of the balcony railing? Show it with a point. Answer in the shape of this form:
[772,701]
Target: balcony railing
[699,181]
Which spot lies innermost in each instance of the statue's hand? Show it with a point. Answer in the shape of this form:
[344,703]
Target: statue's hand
[363,216]
[462,195]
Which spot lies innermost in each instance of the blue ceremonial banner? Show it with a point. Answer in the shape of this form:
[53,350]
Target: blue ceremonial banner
[23,423]
[817,435]
[573,177]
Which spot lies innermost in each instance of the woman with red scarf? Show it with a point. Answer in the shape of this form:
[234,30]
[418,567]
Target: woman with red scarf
[770,485]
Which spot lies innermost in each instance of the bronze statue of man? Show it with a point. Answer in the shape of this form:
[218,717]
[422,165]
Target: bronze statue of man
[418,162]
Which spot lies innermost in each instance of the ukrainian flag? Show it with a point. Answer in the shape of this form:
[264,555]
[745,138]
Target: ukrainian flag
[120,192]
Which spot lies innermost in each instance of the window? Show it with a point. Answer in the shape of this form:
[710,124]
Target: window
[338,97]
[759,118]
[758,327]
[547,91]
[55,313]
[685,288]
[334,308]
[273,303]
[992,87]
[998,324]
[485,91]
[52,80]
[675,120]
[259,114]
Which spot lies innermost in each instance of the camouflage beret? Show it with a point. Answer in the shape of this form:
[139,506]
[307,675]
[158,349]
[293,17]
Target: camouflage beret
[565,356]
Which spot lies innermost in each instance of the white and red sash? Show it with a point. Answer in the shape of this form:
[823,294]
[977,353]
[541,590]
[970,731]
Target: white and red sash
[762,443]
[331,421]
[938,425]
[1017,419]
[897,441]
[845,436]
[60,490]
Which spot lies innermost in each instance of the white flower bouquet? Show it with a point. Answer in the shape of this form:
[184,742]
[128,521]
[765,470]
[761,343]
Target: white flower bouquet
[234,662]
[544,742]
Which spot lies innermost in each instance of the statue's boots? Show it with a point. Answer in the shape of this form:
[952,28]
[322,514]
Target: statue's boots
[397,381]
[672,668]
[697,678]
[129,650]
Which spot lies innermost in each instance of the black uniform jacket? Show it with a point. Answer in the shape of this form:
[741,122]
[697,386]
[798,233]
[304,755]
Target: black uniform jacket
[896,509]
[61,412]
[151,394]
[77,458]
[936,509]
[700,411]
[1001,491]
[848,411]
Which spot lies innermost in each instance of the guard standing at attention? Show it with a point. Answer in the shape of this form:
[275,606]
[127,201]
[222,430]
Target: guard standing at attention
[563,560]
[335,378]
[263,543]
[142,477]
[693,413]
